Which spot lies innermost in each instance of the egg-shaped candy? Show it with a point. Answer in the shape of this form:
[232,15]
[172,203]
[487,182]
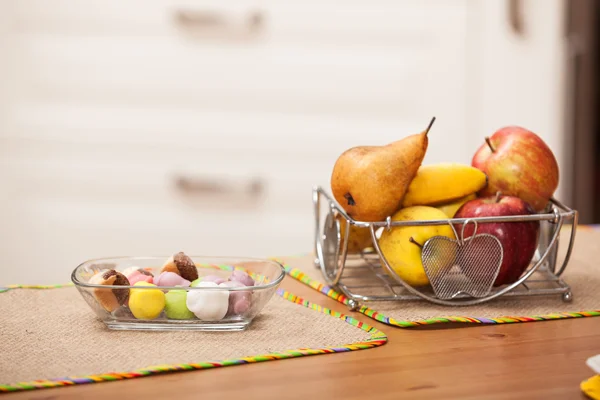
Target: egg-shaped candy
[109,299]
[181,264]
[137,274]
[241,277]
[239,301]
[170,279]
[208,305]
[175,305]
[146,303]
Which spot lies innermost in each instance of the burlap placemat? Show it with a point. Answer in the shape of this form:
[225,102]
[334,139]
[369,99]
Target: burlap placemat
[582,274]
[52,335]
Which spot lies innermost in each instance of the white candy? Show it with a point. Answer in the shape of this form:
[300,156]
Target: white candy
[208,305]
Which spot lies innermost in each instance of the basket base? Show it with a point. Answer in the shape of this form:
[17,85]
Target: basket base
[364,280]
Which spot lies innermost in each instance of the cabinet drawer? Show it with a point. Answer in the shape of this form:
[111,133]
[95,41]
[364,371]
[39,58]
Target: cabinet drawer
[62,204]
[257,137]
[163,175]
[298,78]
[128,17]
[55,235]
[313,20]
[377,58]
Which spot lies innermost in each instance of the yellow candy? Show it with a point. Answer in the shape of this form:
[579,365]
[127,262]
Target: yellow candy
[146,303]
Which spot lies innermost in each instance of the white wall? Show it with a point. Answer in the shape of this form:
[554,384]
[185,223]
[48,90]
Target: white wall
[522,78]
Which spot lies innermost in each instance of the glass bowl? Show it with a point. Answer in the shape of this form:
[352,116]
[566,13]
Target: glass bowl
[154,307]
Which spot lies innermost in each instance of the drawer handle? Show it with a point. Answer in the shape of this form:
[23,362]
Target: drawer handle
[197,185]
[515,16]
[211,19]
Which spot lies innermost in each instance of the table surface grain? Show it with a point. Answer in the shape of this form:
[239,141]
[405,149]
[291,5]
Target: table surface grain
[544,360]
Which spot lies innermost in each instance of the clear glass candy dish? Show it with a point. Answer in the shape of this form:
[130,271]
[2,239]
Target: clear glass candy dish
[176,293]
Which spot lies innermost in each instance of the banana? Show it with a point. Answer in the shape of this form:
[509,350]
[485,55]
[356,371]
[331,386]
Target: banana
[442,183]
[452,207]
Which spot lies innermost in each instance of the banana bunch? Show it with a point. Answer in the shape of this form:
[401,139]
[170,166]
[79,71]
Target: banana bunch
[446,186]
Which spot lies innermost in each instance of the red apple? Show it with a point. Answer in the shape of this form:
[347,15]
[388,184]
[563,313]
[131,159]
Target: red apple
[518,163]
[518,239]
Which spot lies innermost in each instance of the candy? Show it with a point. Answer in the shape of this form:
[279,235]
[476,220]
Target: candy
[110,299]
[175,305]
[170,279]
[136,274]
[241,277]
[208,278]
[146,303]
[213,278]
[208,305]
[239,301]
[182,265]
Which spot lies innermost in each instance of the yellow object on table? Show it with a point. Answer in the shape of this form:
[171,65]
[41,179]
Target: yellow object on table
[591,387]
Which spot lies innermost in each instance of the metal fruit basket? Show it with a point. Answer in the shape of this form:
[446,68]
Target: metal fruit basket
[368,276]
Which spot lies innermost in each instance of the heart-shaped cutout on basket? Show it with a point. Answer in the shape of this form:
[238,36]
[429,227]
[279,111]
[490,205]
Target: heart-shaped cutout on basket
[468,266]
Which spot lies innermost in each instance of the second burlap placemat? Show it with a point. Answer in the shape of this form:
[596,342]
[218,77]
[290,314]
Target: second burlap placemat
[50,337]
[582,274]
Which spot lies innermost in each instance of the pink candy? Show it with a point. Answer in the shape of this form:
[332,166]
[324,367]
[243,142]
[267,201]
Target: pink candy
[241,277]
[138,276]
[170,279]
[239,301]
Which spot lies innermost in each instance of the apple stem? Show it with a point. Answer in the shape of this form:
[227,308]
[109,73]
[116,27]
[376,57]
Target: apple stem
[410,239]
[489,143]
[498,195]
[429,126]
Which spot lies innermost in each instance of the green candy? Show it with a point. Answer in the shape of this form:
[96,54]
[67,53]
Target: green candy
[196,282]
[175,307]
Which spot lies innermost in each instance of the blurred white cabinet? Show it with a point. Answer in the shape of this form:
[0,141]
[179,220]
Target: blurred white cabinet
[153,126]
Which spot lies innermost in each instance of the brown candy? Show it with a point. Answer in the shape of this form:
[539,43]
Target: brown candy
[182,265]
[110,299]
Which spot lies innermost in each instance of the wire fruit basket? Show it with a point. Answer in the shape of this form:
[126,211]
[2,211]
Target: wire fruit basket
[460,271]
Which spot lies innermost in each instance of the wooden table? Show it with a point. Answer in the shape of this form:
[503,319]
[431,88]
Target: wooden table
[544,360]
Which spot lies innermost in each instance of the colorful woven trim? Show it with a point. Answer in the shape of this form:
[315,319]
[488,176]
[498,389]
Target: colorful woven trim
[377,338]
[9,287]
[590,227]
[328,291]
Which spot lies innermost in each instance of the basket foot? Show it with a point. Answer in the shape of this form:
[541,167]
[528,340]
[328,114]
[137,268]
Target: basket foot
[567,297]
[353,305]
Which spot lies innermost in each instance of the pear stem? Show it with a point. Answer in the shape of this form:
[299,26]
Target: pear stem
[498,195]
[489,143]
[410,239]
[429,126]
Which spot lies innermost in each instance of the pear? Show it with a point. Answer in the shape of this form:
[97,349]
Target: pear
[402,245]
[359,238]
[369,182]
